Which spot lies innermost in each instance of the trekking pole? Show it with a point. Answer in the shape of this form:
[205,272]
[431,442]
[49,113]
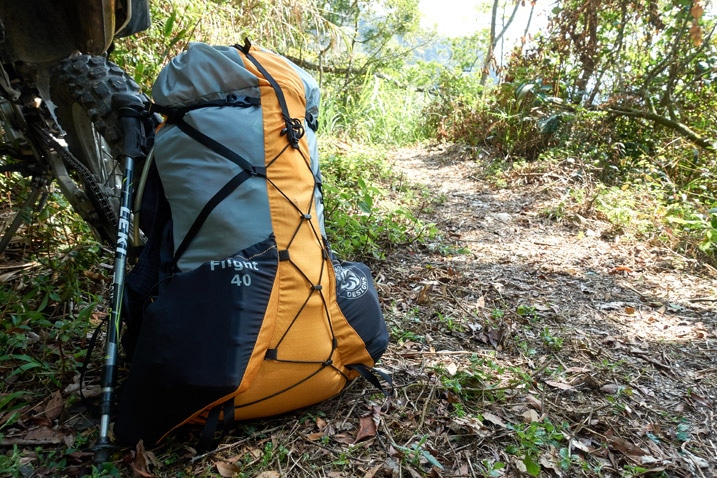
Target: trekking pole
[130,109]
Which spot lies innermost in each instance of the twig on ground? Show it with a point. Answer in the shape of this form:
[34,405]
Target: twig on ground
[332,451]
[425,407]
[229,446]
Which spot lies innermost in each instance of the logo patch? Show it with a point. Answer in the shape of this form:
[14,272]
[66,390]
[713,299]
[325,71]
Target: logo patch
[352,282]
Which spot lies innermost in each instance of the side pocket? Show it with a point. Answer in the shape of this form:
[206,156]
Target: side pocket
[358,300]
[196,341]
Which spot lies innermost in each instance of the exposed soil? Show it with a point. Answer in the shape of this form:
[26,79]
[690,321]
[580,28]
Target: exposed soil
[520,334]
[617,338]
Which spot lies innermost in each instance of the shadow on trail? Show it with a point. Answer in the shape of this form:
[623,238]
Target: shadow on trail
[613,337]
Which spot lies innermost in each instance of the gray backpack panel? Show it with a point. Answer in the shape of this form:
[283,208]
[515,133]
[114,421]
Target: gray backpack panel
[192,173]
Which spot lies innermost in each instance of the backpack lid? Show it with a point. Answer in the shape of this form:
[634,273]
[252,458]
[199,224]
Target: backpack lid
[204,73]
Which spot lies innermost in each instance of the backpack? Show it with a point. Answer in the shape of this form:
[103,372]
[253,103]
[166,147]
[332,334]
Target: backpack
[237,308]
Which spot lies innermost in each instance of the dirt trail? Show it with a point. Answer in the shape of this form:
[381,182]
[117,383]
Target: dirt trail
[612,338]
[529,339]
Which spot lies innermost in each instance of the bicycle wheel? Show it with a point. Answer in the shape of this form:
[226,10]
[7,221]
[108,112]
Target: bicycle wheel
[81,89]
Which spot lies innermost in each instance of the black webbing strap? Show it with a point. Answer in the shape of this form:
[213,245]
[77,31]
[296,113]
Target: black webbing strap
[210,426]
[174,113]
[225,191]
[228,415]
[219,148]
[208,439]
[370,375]
[294,127]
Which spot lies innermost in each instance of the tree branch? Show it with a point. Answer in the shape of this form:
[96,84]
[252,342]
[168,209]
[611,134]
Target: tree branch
[307,65]
[682,129]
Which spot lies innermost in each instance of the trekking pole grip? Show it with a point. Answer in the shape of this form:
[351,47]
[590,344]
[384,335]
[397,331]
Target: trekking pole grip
[132,115]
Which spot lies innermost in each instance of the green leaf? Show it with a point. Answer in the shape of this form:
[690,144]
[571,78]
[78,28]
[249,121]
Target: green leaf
[524,90]
[679,220]
[169,24]
[431,459]
[364,207]
[531,466]
[683,432]
[5,400]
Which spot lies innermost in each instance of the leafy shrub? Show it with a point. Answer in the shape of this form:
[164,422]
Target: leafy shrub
[365,217]
[516,121]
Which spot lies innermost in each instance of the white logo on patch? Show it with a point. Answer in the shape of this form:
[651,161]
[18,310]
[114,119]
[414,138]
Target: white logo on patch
[352,281]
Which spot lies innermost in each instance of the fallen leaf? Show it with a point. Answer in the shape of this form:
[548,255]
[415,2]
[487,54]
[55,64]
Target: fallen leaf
[624,446]
[94,276]
[141,461]
[475,326]
[471,423]
[79,457]
[391,466]
[452,397]
[699,461]
[494,419]
[498,287]
[581,446]
[551,461]
[530,416]
[534,402]
[611,388]
[610,340]
[496,335]
[54,407]
[7,276]
[268,474]
[344,438]
[451,368]
[423,295]
[36,436]
[227,470]
[367,428]
[315,436]
[560,385]
[582,369]
[372,472]
[463,470]
[699,399]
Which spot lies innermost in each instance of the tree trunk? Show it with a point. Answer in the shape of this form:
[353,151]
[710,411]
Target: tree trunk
[494,39]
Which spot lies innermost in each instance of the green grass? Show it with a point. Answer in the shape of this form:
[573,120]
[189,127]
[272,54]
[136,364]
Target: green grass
[368,210]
